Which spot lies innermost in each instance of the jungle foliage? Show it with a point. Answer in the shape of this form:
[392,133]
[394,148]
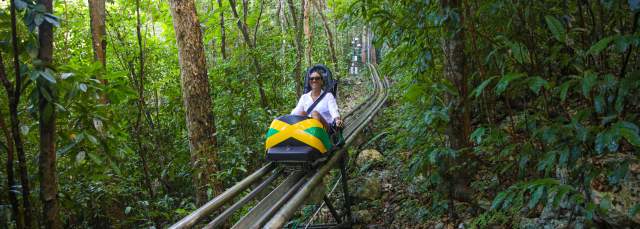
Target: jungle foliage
[551,94]
[122,148]
[508,106]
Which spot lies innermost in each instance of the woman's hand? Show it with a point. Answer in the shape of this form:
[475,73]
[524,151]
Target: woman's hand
[339,122]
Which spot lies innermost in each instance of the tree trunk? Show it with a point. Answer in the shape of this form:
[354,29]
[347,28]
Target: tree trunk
[47,124]
[15,123]
[98,26]
[97,14]
[455,72]
[327,29]
[196,97]
[223,37]
[297,72]
[247,39]
[11,183]
[141,106]
[307,32]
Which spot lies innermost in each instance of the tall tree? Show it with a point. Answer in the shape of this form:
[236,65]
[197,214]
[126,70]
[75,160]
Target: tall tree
[97,14]
[320,7]
[15,92]
[196,97]
[223,36]
[456,73]
[244,29]
[308,36]
[297,26]
[141,105]
[47,125]
[15,207]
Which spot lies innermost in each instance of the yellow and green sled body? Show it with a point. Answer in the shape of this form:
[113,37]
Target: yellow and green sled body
[295,138]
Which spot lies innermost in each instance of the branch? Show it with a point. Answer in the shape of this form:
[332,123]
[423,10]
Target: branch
[3,78]
[255,32]
[626,58]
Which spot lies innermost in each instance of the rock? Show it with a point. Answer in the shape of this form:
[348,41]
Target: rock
[371,189]
[440,225]
[363,216]
[563,222]
[621,197]
[368,155]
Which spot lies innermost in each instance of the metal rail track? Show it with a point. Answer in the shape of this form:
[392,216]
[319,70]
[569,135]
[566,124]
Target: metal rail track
[276,208]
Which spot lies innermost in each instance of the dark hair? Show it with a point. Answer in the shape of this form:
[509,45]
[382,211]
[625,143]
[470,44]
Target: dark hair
[319,71]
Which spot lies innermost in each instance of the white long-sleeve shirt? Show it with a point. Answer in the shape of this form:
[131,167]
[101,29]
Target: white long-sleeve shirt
[327,107]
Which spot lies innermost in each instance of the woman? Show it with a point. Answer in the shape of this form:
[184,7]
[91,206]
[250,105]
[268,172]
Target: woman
[326,111]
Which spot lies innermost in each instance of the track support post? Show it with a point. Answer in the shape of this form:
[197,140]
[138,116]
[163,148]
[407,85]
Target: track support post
[345,188]
[332,209]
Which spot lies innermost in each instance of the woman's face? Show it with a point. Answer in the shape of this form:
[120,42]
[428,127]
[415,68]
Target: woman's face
[315,80]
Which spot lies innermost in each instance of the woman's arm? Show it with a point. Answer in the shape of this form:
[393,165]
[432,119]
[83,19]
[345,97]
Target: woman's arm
[299,109]
[333,109]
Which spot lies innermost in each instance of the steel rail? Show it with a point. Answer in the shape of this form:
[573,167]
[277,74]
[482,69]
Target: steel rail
[267,203]
[291,207]
[229,211]
[221,199]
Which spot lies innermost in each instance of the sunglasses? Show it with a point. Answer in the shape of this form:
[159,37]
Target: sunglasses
[315,78]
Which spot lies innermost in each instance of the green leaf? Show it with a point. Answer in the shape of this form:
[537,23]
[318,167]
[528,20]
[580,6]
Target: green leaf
[52,19]
[20,4]
[503,84]
[95,158]
[38,19]
[536,83]
[47,74]
[622,43]
[535,197]
[562,191]
[619,173]
[564,89]
[590,210]
[82,87]
[631,135]
[24,130]
[498,200]
[80,156]
[66,75]
[564,157]
[476,92]
[600,45]
[476,136]
[629,125]
[34,75]
[605,203]
[634,210]
[556,27]
[588,81]
[599,104]
[507,200]
[66,149]
[519,52]
[607,140]
[414,92]
[92,139]
[45,93]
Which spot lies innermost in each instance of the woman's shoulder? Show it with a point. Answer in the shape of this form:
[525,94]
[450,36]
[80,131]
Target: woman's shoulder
[330,95]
